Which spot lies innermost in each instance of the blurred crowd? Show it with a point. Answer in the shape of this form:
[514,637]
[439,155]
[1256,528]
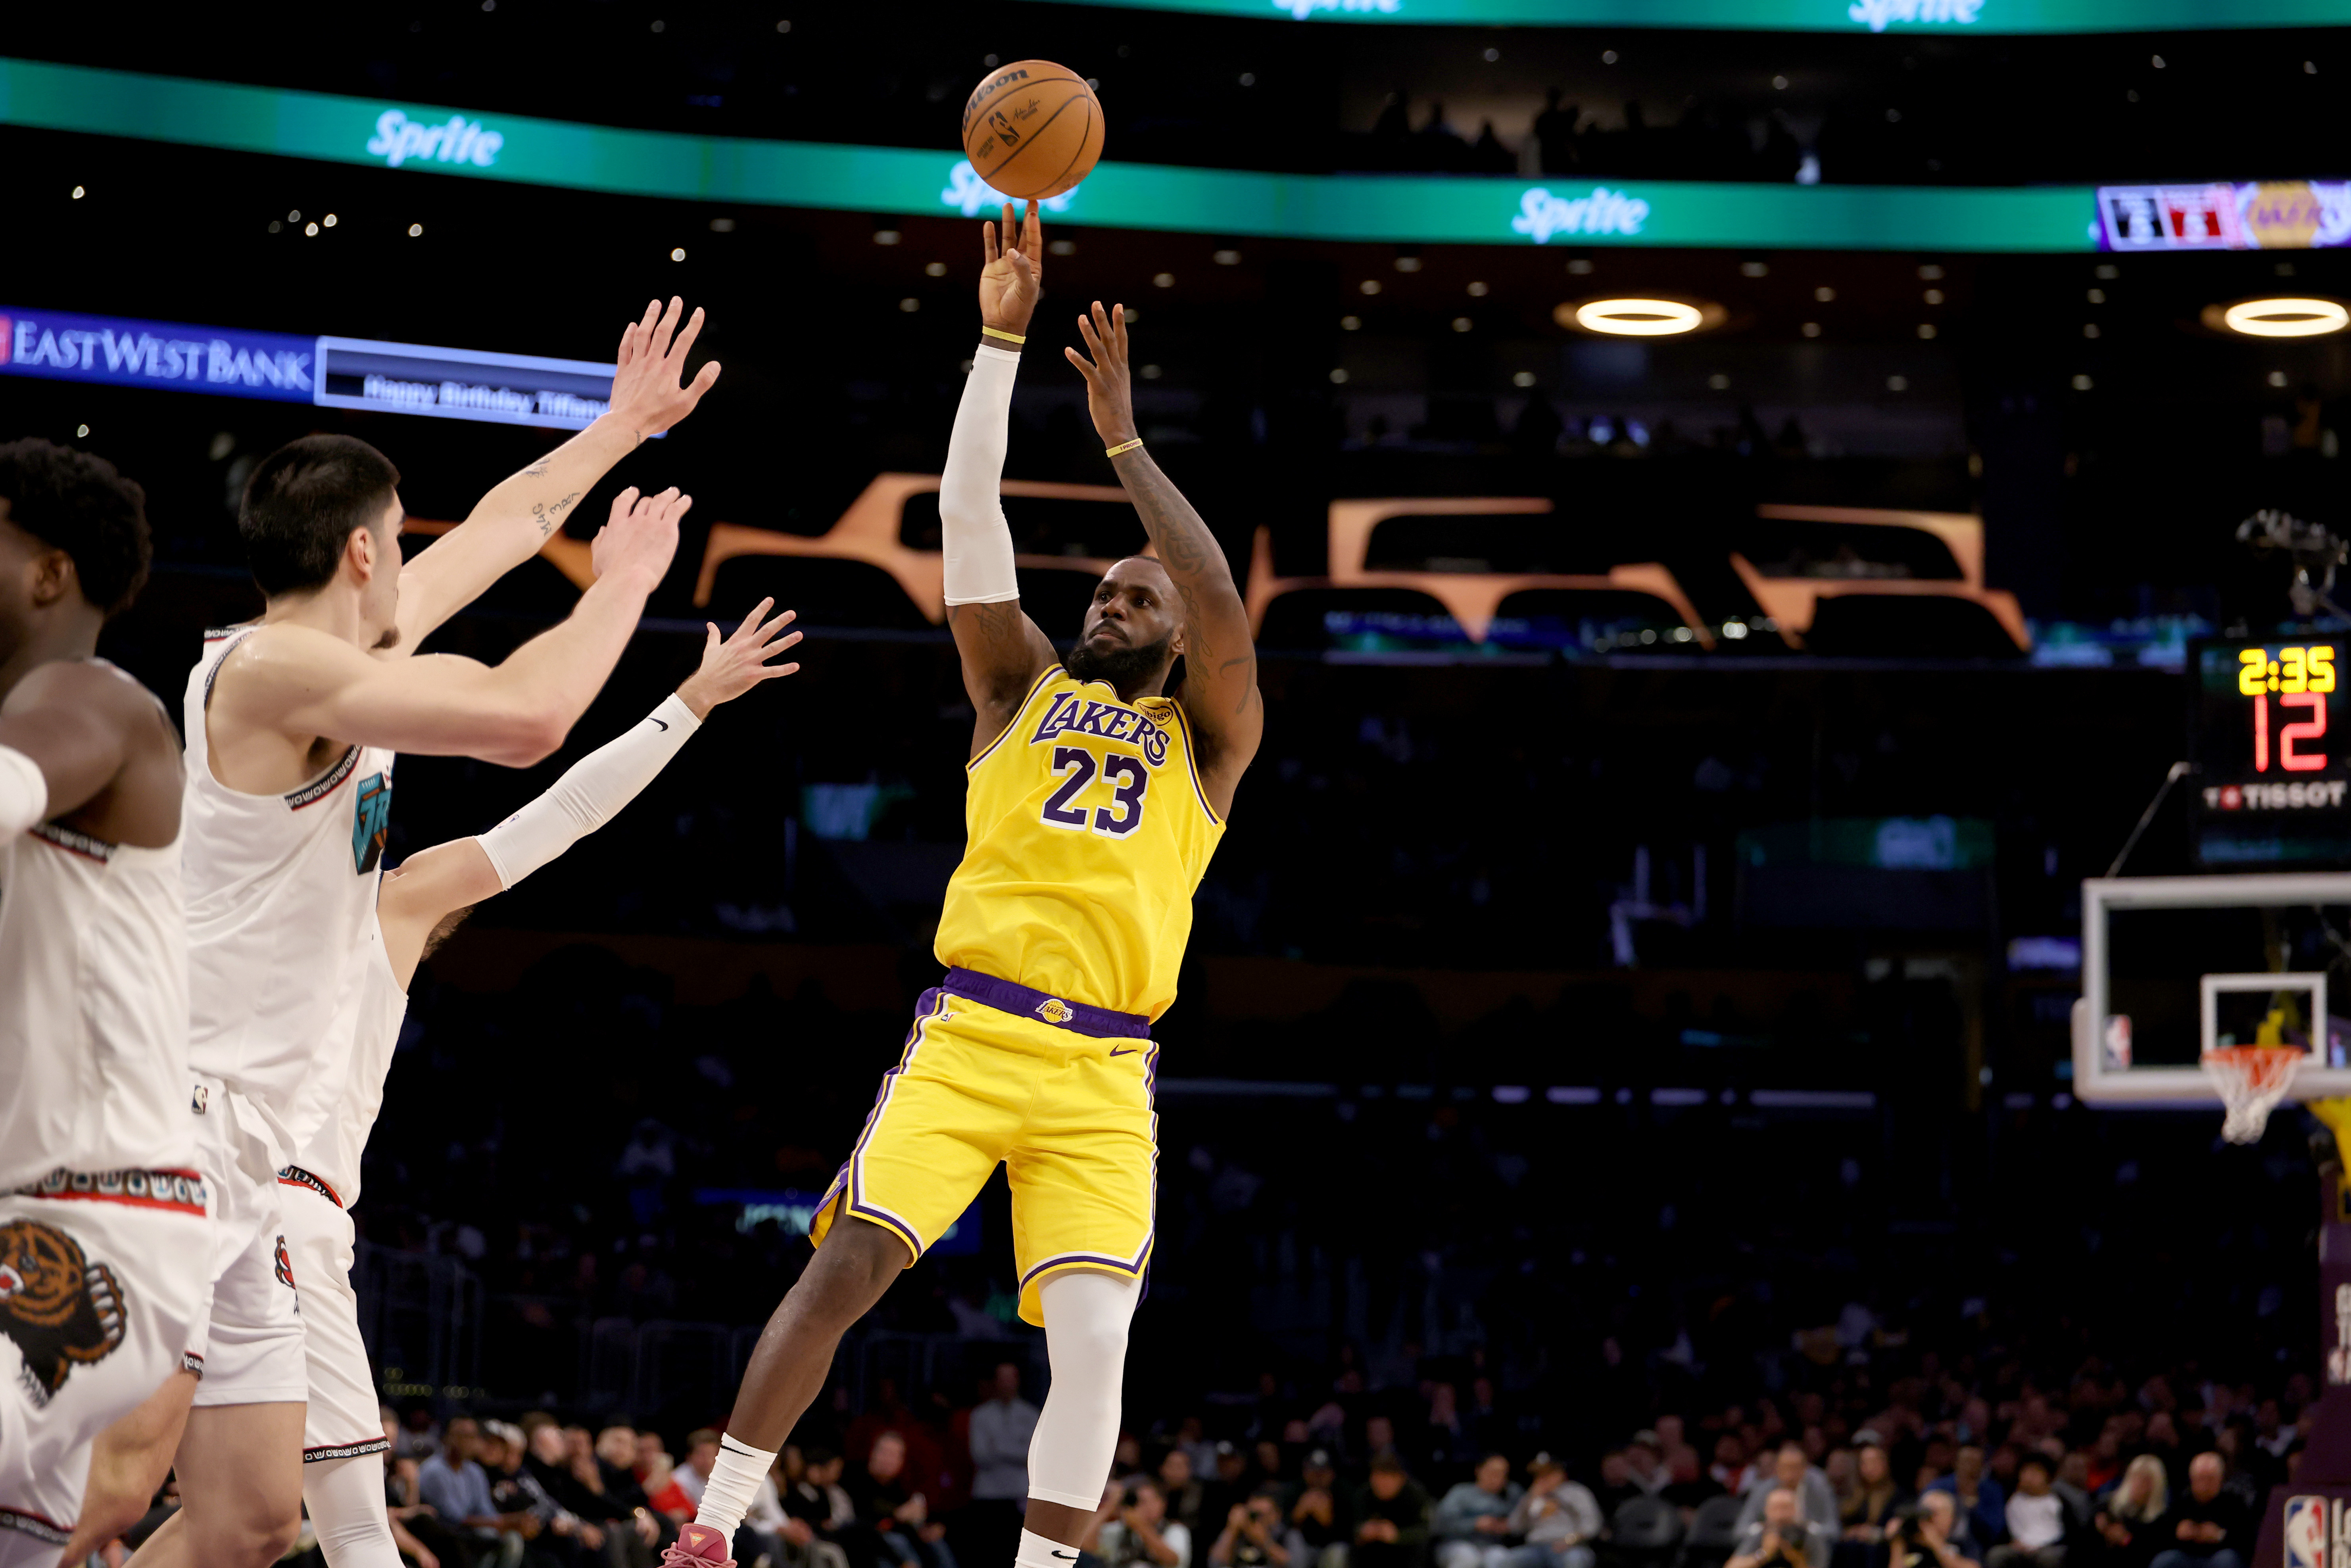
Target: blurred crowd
[1944,1463]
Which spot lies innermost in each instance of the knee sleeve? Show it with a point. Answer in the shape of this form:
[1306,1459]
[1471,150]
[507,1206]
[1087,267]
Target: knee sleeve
[345,1498]
[1086,1318]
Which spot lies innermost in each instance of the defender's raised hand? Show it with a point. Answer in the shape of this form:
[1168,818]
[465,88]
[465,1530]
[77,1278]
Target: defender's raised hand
[1014,276]
[648,389]
[734,666]
[641,536]
[1110,391]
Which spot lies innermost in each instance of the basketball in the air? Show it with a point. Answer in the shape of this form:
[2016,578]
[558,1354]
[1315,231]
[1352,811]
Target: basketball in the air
[1032,128]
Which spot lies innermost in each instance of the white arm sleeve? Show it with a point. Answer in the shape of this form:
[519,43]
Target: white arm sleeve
[974,536]
[589,794]
[24,791]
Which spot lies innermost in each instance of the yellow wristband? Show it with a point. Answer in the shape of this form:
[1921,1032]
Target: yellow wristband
[1008,337]
[1122,447]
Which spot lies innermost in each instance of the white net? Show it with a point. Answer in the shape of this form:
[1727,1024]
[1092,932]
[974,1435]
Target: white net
[2252,1080]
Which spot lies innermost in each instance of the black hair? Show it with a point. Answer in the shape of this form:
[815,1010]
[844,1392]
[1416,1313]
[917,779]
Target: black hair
[76,502]
[301,504]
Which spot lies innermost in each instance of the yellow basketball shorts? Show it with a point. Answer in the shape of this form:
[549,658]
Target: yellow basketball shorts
[1069,1115]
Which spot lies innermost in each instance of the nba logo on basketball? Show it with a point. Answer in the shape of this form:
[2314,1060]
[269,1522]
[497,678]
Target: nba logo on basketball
[2305,1532]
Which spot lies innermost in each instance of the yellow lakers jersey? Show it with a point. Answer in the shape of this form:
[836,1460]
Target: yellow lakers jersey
[1089,830]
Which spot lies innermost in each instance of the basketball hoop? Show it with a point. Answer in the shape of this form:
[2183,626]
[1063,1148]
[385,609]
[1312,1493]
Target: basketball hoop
[2252,1080]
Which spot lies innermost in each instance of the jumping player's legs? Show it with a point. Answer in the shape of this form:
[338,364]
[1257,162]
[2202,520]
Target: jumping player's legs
[945,1114]
[128,1464]
[240,1458]
[1083,1189]
[345,1498]
[1086,1320]
[342,1438]
[245,1461]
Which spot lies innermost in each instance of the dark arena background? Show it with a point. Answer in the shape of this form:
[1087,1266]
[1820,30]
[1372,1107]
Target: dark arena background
[1631,1017]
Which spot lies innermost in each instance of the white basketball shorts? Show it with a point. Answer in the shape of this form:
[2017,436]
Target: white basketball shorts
[101,1288]
[251,1350]
[346,1417]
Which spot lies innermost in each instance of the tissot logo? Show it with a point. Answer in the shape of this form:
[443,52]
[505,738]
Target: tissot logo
[398,139]
[1880,14]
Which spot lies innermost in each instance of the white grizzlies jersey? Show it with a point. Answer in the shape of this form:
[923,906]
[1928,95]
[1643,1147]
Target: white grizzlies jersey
[337,1107]
[280,888]
[93,1007]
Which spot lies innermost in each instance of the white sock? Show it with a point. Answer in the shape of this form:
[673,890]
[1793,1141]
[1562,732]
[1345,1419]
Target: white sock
[734,1483]
[1043,1551]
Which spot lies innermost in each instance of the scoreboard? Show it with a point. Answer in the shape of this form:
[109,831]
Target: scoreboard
[2272,742]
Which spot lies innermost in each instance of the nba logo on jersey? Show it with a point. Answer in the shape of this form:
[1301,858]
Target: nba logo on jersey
[371,818]
[2305,1532]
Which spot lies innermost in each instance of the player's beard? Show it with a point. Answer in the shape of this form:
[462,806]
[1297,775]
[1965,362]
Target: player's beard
[1123,666]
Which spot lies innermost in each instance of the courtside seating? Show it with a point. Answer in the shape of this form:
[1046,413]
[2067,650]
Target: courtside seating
[1713,1534]
[1644,1533]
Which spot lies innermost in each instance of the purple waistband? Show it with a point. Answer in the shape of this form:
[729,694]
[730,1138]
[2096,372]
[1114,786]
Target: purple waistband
[1078,1017]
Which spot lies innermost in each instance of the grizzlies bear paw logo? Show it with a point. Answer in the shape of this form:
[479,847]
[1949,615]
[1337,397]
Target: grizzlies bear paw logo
[61,1309]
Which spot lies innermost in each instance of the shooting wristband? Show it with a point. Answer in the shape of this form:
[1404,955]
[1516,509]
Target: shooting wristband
[1008,337]
[1122,447]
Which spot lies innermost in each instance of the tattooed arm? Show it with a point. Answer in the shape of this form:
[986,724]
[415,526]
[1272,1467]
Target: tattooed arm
[1220,695]
[510,524]
[1003,651]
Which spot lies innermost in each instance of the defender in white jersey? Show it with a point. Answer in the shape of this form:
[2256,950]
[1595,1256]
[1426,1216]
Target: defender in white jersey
[292,722]
[103,1234]
[413,914]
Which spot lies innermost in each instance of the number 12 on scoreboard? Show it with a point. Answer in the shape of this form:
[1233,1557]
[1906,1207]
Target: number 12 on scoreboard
[2302,677]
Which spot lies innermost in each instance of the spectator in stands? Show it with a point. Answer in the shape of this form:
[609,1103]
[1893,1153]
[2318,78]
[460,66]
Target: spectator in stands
[669,1499]
[550,1532]
[1874,1497]
[1645,1461]
[1001,1426]
[2210,1527]
[1730,1469]
[1929,1540]
[1142,1534]
[701,1458]
[1983,1506]
[1782,1537]
[1256,1536]
[1391,1518]
[821,1520]
[897,1517]
[1315,1513]
[2130,1520]
[1230,1486]
[2037,1525]
[1686,1484]
[453,1486]
[1616,1486]
[1472,1525]
[564,1463]
[1792,1470]
[1557,1519]
[1181,1490]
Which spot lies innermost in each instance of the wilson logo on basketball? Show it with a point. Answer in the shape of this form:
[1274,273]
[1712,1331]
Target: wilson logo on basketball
[62,1310]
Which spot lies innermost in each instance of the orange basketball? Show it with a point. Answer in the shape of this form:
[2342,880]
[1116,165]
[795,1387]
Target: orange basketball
[1032,128]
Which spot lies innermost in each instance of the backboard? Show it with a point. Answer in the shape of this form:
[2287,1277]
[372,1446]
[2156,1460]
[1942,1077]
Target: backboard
[2174,966]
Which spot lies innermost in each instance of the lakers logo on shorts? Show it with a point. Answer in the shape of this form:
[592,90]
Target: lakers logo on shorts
[1056,1011]
[61,1309]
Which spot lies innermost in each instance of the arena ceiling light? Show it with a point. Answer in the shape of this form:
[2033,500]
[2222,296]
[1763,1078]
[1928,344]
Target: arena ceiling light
[2280,317]
[1638,318]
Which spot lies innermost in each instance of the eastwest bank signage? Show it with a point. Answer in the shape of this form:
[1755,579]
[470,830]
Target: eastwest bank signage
[328,372]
